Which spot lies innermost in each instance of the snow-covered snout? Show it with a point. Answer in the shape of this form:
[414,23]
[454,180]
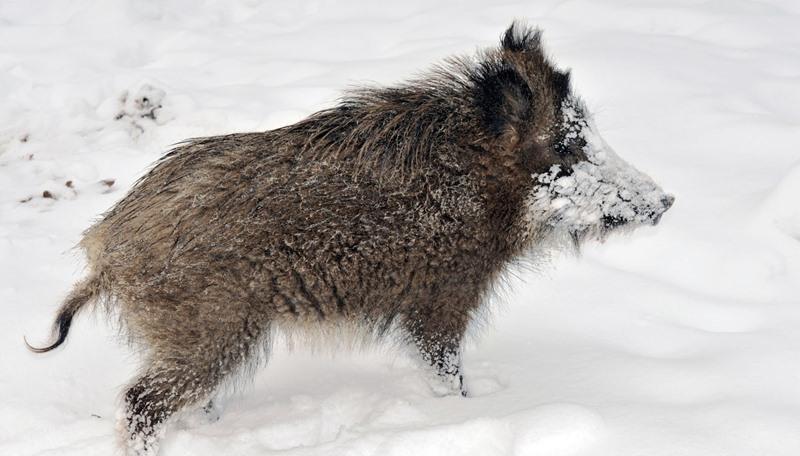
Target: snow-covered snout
[600,192]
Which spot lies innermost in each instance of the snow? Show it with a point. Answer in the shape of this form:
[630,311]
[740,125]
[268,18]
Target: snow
[676,339]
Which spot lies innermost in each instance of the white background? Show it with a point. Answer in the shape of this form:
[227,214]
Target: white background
[678,340]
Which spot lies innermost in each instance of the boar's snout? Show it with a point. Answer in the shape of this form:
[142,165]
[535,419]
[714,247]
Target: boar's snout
[666,202]
[653,216]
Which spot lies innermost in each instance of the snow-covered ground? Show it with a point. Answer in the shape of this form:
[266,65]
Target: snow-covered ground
[679,340]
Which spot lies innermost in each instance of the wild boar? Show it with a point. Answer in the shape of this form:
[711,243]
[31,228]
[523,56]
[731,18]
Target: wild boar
[395,212]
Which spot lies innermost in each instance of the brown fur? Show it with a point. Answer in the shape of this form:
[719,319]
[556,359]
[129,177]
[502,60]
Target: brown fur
[398,208]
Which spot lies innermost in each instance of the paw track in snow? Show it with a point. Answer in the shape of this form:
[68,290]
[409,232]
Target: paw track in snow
[141,109]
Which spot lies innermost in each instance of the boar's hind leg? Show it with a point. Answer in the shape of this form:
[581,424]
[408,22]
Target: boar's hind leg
[438,339]
[159,394]
[175,379]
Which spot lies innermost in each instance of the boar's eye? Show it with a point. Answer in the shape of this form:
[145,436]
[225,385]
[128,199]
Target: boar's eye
[570,140]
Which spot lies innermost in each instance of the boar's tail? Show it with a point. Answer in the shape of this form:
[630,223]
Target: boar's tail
[82,293]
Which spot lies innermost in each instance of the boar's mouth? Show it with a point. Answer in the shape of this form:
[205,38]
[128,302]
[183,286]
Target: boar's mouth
[611,222]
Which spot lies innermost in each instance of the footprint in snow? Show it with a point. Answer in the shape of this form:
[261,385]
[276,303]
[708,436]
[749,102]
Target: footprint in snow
[484,378]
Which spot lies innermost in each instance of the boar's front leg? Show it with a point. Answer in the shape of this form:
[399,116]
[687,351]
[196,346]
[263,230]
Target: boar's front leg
[437,335]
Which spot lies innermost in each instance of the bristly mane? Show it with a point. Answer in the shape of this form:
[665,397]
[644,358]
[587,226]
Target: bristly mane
[394,130]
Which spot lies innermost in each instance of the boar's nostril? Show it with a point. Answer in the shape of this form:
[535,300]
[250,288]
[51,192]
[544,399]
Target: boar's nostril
[667,201]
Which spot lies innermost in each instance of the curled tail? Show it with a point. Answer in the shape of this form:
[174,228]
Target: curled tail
[82,293]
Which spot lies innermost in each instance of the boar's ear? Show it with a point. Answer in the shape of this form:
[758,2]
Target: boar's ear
[504,99]
[519,37]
